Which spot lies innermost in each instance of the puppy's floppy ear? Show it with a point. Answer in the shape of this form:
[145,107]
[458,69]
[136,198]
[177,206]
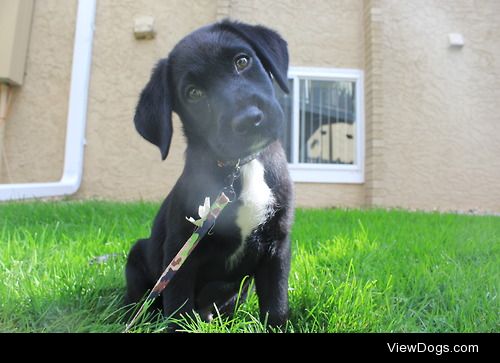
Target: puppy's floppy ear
[270,47]
[153,114]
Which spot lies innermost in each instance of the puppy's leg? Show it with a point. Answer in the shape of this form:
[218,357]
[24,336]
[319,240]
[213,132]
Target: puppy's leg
[229,307]
[136,273]
[178,297]
[225,295]
[271,283]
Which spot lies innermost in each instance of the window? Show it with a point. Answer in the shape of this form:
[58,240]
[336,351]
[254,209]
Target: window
[324,134]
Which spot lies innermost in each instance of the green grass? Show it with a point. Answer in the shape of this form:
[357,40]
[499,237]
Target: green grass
[352,270]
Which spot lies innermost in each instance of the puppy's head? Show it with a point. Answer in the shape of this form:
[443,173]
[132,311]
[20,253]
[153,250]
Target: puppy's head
[219,80]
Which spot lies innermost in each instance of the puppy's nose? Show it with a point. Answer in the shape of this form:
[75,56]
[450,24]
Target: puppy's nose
[247,120]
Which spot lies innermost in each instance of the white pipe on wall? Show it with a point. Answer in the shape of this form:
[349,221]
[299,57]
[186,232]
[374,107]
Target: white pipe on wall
[5,96]
[77,116]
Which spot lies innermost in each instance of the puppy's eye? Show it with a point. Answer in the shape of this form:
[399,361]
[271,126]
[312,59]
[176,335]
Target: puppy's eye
[194,94]
[241,61]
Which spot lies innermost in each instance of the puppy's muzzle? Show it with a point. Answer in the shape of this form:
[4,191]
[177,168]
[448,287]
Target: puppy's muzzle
[247,121]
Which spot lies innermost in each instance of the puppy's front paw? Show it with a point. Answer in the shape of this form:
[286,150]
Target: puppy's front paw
[275,320]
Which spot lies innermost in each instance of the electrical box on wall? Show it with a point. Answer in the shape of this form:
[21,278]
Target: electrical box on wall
[15,28]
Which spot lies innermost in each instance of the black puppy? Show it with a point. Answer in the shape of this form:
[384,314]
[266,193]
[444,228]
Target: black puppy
[219,80]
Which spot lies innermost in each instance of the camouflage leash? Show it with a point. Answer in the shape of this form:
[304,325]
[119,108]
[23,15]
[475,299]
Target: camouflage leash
[205,226]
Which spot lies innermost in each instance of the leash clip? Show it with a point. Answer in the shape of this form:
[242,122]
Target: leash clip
[229,189]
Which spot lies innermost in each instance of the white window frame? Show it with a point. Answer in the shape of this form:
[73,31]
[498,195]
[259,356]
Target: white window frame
[331,173]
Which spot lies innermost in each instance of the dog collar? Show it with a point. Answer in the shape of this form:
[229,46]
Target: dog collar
[237,163]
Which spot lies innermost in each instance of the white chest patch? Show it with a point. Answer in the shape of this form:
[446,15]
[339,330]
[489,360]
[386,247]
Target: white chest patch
[257,202]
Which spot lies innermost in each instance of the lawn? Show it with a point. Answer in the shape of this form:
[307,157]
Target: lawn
[352,270]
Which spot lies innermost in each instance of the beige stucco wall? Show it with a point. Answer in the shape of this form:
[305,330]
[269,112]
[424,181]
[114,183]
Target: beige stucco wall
[36,126]
[441,137]
[432,133]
